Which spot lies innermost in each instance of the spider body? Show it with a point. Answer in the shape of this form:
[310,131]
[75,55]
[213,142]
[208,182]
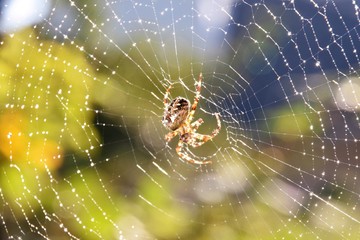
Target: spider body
[177,117]
[176,113]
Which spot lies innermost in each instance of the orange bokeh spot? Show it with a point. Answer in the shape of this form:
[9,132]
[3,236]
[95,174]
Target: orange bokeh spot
[17,146]
[13,140]
[45,153]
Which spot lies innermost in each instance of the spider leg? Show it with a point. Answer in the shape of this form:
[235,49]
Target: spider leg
[218,127]
[200,139]
[170,136]
[196,99]
[195,125]
[166,96]
[186,157]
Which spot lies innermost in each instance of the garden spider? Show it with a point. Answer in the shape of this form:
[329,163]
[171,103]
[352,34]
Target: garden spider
[178,116]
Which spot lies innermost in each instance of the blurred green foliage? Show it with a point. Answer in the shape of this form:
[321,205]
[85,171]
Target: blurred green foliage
[46,88]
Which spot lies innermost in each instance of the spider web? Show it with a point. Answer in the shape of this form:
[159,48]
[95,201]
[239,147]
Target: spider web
[83,154]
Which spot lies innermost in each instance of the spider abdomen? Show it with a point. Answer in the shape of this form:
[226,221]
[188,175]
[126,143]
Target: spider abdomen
[176,113]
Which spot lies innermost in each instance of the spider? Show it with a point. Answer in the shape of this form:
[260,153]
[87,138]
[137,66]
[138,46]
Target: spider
[177,117]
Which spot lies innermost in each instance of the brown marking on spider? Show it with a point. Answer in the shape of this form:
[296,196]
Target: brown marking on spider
[177,118]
